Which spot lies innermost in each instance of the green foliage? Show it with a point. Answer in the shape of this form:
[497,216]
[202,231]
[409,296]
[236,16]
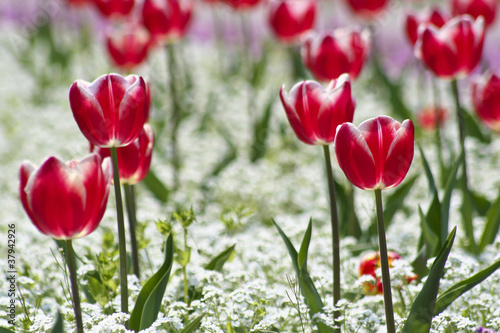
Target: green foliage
[261,131]
[235,217]
[148,302]
[218,261]
[185,217]
[193,325]
[422,311]
[492,225]
[349,222]
[58,326]
[159,190]
[164,227]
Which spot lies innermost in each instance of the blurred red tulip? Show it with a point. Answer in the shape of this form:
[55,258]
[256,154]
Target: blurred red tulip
[65,201]
[112,8]
[314,113]
[377,154]
[167,19]
[242,4]
[330,54]
[128,46]
[486,99]
[429,118]
[367,8]
[369,265]
[134,160]
[413,21]
[476,8]
[453,50]
[78,3]
[289,19]
[110,111]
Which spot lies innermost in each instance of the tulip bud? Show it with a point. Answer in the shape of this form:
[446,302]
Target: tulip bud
[377,154]
[167,19]
[367,8]
[289,19]
[475,8]
[114,8]
[430,118]
[128,46]
[330,54]
[65,200]
[314,113]
[486,99]
[413,21]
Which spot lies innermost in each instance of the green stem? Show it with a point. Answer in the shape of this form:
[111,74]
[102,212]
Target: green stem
[384,262]
[132,222]
[439,145]
[176,116]
[335,235]
[121,233]
[184,271]
[70,260]
[298,70]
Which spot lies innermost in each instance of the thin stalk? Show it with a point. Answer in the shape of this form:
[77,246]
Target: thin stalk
[298,69]
[384,262]
[70,260]
[335,235]
[132,222]
[176,116]
[439,145]
[184,271]
[121,233]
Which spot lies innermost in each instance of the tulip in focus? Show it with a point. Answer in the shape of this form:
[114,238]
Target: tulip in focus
[431,117]
[486,99]
[167,19]
[413,21]
[369,265]
[128,46]
[290,19]
[110,111]
[367,8]
[330,54]
[114,8]
[134,160]
[377,154]
[475,8]
[315,112]
[66,200]
[454,50]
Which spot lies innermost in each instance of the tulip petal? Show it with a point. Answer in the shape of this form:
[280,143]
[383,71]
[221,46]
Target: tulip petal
[399,156]
[131,112]
[304,134]
[27,168]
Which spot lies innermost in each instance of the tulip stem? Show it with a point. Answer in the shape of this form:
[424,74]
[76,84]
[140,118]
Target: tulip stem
[439,145]
[335,235]
[70,261]
[176,116]
[121,232]
[384,262]
[132,221]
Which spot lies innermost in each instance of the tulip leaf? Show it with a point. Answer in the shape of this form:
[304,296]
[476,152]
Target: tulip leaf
[422,311]
[193,325]
[450,295]
[59,324]
[218,262]
[5,330]
[148,302]
[349,222]
[156,187]
[396,199]
[304,248]
[428,172]
[445,203]
[306,285]
[480,203]
[261,132]
[492,225]
[431,240]
[474,129]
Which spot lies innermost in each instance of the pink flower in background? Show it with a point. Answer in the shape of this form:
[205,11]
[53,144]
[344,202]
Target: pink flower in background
[486,99]
[315,112]
[332,53]
[429,118]
[290,19]
[475,8]
[167,19]
[412,22]
[65,200]
[128,45]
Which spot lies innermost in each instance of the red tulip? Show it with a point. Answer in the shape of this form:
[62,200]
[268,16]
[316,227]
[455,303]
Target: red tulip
[128,47]
[314,113]
[289,19]
[486,99]
[134,160]
[369,265]
[110,111]
[78,3]
[377,154]
[65,201]
[242,4]
[167,19]
[367,8]
[476,8]
[453,50]
[110,8]
[329,54]
[430,117]
[413,21]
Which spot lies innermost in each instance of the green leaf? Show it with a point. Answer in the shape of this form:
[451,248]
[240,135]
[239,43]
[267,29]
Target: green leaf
[445,203]
[430,239]
[396,199]
[149,300]
[349,222]
[421,313]
[183,257]
[59,325]
[156,187]
[428,172]
[474,129]
[304,248]
[193,325]
[450,295]
[480,203]
[306,285]
[492,225]
[261,131]
[218,262]
[5,330]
